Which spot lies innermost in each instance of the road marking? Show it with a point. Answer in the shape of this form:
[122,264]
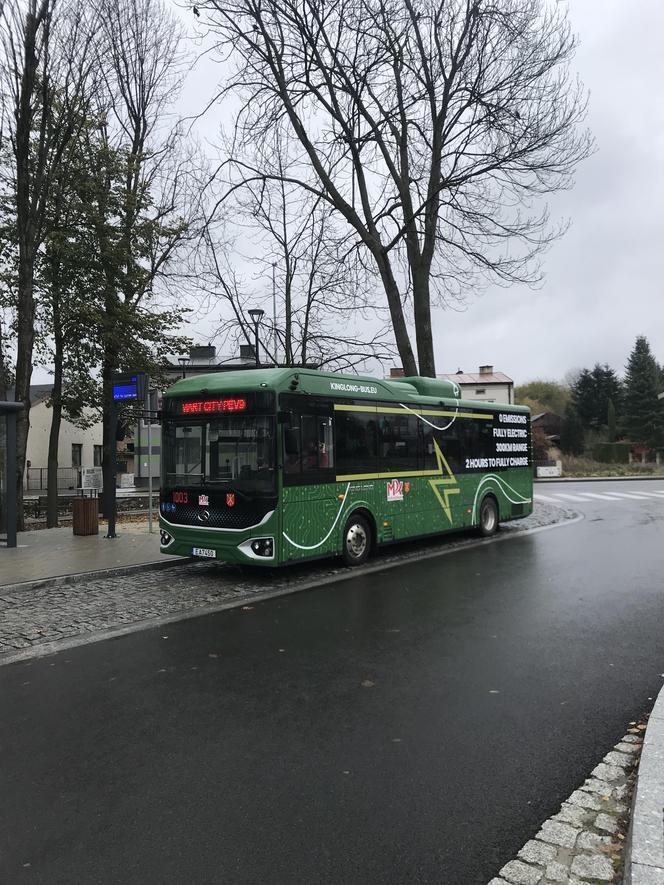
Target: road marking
[545,498]
[570,497]
[630,495]
[652,494]
[604,497]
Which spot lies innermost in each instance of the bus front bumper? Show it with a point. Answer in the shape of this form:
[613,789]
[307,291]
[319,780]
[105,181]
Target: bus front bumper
[255,546]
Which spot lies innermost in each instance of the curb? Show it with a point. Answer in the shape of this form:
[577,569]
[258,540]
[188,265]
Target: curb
[98,574]
[546,479]
[644,864]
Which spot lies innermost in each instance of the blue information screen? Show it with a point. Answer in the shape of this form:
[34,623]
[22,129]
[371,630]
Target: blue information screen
[126,390]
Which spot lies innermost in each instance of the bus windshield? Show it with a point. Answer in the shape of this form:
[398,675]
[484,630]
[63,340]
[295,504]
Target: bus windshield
[230,449]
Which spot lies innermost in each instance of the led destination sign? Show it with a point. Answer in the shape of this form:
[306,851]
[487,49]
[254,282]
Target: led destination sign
[208,406]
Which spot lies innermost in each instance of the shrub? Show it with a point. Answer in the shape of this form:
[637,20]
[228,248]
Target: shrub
[611,453]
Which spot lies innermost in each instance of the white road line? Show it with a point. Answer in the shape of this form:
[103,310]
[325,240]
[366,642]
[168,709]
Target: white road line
[630,495]
[570,497]
[545,498]
[605,497]
[652,494]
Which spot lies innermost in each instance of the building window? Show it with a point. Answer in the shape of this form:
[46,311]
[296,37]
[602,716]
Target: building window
[97,455]
[480,391]
[76,454]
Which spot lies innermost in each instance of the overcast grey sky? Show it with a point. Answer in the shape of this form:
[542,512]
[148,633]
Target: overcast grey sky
[604,279]
[603,283]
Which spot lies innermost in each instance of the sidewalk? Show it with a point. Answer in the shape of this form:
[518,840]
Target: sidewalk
[54,553]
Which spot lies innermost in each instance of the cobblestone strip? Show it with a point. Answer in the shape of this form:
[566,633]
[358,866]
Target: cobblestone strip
[583,843]
[42,615]
[644,864]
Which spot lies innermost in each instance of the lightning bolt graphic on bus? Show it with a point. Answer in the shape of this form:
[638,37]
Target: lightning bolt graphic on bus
[447,485]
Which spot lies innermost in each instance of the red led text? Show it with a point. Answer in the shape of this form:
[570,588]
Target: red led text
[202,407]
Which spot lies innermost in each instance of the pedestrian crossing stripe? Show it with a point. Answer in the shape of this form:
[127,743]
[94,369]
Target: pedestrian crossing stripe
[586,497]
[631,495]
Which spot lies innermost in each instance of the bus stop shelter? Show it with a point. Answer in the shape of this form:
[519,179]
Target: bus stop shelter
[8,511]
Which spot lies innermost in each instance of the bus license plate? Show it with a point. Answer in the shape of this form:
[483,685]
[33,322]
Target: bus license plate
[204,551]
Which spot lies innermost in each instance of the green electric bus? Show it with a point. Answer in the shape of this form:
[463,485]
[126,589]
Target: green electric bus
[271,466]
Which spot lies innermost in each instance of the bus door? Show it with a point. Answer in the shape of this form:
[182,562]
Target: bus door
[310,501]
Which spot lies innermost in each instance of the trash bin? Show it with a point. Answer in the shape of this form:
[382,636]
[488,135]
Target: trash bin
[85,516]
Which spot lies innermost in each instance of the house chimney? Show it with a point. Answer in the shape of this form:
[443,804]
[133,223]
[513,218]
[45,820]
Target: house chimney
[247,353]
[397,372]
[202,354]
[486,370]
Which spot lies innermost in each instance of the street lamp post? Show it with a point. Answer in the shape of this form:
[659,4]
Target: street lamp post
[256,315]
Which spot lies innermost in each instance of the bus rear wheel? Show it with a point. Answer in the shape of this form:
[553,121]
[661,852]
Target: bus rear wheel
[357,538]
[488,517]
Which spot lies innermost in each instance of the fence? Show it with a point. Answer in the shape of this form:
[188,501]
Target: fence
[68,478]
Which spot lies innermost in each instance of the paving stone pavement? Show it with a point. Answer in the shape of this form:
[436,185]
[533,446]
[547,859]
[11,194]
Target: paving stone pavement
[34,616]
[584,842]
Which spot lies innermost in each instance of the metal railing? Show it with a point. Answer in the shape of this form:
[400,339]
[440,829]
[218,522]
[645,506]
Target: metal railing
[69,478]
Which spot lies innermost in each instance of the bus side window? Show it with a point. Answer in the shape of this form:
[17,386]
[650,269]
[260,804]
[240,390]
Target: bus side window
[292,449]
[451,442]
[317,443]
[427,451]
[309,442]
[398,442]
[356,442]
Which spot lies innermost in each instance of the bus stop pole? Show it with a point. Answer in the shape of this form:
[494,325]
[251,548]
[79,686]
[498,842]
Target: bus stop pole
[111,496]
[149,471]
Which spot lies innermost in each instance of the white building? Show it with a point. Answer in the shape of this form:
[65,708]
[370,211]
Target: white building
[487,385]
[76,448]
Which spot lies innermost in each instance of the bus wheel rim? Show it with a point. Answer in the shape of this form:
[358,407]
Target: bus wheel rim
[356,540]
[489,517]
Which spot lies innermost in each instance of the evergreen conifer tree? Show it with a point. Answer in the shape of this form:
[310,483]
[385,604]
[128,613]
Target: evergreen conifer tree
[571,433]
[591,394]
[611,421]
[643,412]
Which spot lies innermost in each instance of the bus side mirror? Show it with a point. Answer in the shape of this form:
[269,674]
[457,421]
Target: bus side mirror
[292,440]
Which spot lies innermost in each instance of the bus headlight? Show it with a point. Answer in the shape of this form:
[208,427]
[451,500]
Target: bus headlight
[263,547]
[164,538]
[258,548]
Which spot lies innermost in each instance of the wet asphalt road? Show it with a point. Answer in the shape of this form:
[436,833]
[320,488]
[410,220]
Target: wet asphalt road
[410,726]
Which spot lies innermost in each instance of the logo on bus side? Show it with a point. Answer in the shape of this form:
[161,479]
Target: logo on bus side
[395,490]
[230,499]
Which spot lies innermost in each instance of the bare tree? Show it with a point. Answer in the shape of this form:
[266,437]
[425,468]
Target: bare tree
[319,306]
[432,127]
[44,66]
[326,307]
[145,195]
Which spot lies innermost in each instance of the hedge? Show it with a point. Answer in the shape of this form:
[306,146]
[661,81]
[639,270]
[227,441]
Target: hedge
[612,453]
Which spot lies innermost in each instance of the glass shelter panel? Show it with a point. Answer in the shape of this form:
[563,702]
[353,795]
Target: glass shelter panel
[3,477]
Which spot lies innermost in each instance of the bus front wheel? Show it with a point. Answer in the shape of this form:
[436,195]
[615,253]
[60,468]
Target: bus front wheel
[356,540]
[488,517]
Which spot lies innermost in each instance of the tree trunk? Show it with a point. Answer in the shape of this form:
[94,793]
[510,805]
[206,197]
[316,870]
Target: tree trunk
[54,438]
[422,315]
[396,313]
[4,374]
[109,367]
[26,337]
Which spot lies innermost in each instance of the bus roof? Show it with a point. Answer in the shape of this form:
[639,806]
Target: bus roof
[329,384]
